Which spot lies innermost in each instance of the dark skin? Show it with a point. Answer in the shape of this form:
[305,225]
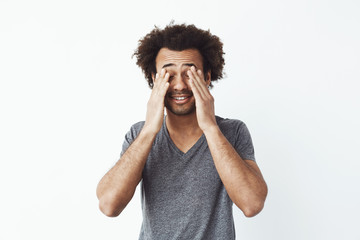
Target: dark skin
[181,84]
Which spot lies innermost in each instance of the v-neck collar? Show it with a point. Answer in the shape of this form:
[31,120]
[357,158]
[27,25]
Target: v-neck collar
[173,145]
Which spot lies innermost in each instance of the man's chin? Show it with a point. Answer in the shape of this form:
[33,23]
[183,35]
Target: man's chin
[180,111]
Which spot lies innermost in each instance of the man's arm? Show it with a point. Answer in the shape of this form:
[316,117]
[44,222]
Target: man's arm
[242,178]
[118,186]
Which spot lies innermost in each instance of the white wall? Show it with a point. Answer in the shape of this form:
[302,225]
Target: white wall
[70,90]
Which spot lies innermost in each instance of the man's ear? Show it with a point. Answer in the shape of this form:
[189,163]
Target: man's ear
[208,78]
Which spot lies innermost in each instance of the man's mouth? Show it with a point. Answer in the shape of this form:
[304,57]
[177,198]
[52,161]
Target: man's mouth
[180,95]
[180,98]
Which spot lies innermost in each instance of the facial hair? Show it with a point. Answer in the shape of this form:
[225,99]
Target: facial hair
[179,110]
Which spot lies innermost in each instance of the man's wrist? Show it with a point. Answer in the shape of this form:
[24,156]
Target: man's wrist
[148,132]
[212,130]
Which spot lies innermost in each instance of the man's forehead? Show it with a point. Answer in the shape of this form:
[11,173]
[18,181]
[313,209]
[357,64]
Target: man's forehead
[185,58]
[169,65]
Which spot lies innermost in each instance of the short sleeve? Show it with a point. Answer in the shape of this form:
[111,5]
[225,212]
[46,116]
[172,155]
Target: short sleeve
[130,136]
[243,144]
[127,142]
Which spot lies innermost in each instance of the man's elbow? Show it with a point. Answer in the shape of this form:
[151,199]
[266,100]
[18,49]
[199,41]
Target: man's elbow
[253,209]
[255,204]
[110,207]
[251,206]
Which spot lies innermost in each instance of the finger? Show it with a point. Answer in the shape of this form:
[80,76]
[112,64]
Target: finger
[198,74]
[195,91]
[163,85]
[162,79]
[196,84]
[162,73]
[201,80]
[156,78]
[159,75]
[165,81]
[164,76]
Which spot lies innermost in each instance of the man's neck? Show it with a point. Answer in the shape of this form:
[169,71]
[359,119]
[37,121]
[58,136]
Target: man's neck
[184,130]
[185,125]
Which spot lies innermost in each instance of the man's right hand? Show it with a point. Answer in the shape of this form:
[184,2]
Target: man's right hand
[117,187]
[155,105]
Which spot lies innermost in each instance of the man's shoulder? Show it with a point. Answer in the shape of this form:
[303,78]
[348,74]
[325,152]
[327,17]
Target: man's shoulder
[232,128]
[138,126]
[135,129]
[229,123]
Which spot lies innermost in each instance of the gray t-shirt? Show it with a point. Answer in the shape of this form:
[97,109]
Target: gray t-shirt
[182,194]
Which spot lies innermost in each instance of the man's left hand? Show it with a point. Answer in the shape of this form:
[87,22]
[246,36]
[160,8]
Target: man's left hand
[204,101]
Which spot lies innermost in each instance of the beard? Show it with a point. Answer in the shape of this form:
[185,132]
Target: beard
[179,110]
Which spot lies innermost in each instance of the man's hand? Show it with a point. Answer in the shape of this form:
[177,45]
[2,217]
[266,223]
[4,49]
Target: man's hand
[155,105]
[204,101]
[117,187]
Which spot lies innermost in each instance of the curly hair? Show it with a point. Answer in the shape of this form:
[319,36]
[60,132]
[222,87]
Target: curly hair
[178,38]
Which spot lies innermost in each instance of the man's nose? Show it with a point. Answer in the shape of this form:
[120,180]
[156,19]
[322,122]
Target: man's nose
[179,82]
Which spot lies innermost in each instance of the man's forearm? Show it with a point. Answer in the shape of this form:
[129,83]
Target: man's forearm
[118,186]
[242,179]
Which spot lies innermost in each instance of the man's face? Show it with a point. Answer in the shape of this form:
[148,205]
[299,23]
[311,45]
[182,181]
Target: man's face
[179,99]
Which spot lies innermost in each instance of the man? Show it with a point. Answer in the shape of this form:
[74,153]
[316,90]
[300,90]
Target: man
[193,165]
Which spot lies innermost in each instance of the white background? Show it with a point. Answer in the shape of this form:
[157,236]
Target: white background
[70,91]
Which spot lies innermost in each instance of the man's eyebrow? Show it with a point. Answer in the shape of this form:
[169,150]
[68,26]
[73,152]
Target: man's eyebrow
[190,65]
[168,65]
[185,64]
